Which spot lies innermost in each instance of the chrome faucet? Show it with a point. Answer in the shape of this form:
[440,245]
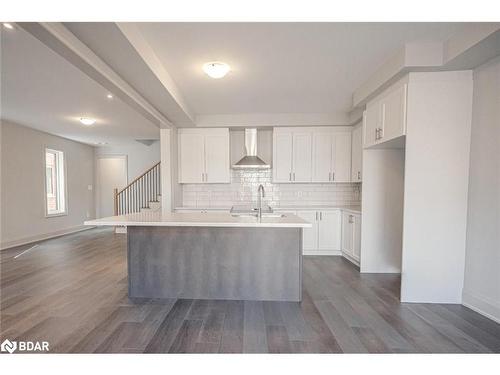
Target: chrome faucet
[261,189]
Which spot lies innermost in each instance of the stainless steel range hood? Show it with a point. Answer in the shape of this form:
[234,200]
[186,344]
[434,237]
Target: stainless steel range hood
[251,160]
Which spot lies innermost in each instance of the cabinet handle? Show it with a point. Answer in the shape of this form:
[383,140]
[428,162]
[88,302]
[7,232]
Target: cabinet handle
[290,176]
[316,215]
[321,215]
[333,176]
[380,134]
[359,175]
[294,176]
[329,176]
[203,177]
[376,134]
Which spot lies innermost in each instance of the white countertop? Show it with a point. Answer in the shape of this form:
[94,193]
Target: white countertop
[355,209]
[196,219]
[319,207]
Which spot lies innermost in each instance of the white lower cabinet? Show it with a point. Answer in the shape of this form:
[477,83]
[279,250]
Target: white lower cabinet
[351,236]
[309,235]
[329,233]
[324,237]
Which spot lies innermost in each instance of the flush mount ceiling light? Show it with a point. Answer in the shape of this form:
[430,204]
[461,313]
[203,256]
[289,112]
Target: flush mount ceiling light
[8,25]
[109,96]
[216,69]
[87,121]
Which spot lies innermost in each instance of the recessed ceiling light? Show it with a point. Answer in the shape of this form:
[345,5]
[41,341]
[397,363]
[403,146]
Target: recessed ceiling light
[216,69]
[87,121]
[100,143]
[109,96]
[8,25]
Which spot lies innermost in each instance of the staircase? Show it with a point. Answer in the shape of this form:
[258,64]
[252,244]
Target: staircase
[142,194]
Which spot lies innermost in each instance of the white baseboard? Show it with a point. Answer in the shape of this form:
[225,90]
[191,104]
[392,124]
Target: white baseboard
[351,259]
[481,304]
[322,252]
[41,237]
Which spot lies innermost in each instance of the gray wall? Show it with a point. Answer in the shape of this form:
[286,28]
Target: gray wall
[22,185]
[139,157]
[482,267]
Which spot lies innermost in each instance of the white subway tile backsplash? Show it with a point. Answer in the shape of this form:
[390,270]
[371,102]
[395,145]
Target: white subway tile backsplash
[243,190]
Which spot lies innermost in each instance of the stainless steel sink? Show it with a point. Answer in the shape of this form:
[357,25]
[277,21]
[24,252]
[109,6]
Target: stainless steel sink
[250,211]
[264,215]
[273,215]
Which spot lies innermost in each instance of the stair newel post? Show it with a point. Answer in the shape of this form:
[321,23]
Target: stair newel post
[115,194]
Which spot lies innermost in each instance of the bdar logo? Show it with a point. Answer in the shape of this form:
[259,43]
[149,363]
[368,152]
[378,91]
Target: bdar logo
[8,346]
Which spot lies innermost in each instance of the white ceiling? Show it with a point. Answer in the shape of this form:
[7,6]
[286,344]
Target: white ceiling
[107,41]
[40,89]
[288,70]
[280,67]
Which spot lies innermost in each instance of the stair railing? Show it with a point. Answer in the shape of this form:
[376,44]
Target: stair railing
[136,195]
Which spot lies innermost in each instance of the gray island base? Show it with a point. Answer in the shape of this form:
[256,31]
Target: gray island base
[235,263]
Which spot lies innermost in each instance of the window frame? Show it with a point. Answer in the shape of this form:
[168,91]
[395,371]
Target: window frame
[61,187]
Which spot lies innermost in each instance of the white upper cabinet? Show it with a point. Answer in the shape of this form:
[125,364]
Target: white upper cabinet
[372,122]
[393,114]
[217,169]
[292,155]
[203,156]
[316,154]
[341,163]
[302,153]
[385,116]
[191,157]
[282,156]
[322,156]
[357,154]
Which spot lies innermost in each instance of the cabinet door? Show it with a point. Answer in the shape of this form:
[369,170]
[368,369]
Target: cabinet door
[357,155]
[302,157]
[347,238]
[282,156]
[394,114]
[322,156]
[341,157]
[309,235]
[372,121]
[356,247]
[191,158]
[217,168]
[329,232]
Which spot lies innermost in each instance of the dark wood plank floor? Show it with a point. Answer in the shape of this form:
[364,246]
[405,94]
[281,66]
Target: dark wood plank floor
[72,292]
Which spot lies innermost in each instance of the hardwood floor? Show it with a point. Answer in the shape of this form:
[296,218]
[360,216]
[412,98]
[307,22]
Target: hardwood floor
[72,292]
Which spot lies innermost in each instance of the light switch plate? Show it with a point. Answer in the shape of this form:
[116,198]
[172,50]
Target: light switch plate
[89,187]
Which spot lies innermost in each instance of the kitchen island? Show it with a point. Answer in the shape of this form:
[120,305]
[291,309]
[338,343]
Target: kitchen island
[212,255]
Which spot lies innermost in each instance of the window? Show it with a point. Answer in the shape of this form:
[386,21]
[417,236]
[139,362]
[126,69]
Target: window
[55,185]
